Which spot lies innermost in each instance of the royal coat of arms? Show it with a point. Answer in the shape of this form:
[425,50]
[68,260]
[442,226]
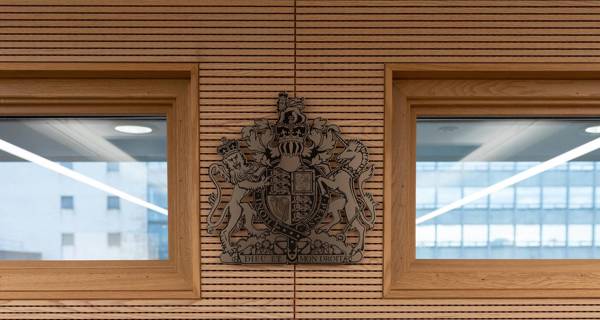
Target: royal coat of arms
[291,191]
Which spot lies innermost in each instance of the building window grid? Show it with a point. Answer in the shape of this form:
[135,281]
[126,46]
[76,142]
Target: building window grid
[594,195]
[567,220]
[513,168]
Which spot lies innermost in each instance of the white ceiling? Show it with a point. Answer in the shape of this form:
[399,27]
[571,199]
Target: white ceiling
[501,139]
[85,139]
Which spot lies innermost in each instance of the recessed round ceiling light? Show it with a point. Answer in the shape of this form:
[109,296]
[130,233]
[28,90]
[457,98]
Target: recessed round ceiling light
[594,129]
[133,129]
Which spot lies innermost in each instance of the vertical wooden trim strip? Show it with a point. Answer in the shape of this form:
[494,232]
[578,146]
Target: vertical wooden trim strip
[195,119]
[295,90]
[387,182]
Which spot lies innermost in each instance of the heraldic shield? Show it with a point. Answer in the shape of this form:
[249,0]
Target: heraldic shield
[291,191]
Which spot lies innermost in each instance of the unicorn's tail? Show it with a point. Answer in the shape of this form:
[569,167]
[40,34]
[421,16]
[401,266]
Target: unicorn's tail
[367,197]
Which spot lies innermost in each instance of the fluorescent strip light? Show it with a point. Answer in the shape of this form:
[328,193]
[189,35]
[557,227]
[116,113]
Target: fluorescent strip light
[53,166]
[544,166]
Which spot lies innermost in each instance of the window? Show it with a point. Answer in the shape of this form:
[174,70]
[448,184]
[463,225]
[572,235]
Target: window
[114,203]
[581,197]
[501,235]
[554,197]
[66,202]
[106,137]
[112,167]
[67,239]
[528,197]
[27,159]
[553,235]
[114,239]
[491,188]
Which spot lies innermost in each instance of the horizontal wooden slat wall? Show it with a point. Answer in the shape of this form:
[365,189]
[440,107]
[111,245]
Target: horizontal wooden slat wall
[341,48]
[245,51]
[331,52]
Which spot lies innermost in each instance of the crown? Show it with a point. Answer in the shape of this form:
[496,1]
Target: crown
[296,132]
[291,128]
[228,147]
[292,124]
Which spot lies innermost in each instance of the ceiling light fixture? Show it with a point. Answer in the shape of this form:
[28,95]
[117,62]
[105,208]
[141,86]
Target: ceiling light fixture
[594,129]
[133,129]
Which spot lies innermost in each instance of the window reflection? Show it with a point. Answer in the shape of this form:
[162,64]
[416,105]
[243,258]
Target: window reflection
[553,214]
[562,216]
[77,189]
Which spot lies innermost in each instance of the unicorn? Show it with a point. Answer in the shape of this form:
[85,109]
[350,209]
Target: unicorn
[354,169]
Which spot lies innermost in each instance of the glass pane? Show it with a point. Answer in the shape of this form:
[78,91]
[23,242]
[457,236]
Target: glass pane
[88,188]
[501,188]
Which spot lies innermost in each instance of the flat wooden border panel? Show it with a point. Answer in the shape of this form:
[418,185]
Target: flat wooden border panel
[115,89]
[487,91]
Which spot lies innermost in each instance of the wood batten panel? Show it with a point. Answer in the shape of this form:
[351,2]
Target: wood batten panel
[247,90]
[231,85]
[358,89]
[245,52]
[206,31]
[373,308]
[173,309]
[346,43]
[449,31]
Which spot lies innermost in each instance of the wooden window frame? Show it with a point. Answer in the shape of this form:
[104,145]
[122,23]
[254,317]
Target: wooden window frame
[81,89]
[449,90]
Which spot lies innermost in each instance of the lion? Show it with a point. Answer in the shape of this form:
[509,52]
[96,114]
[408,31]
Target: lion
[245,177]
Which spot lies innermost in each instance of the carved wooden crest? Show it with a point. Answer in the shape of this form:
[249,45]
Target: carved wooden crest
[291,191]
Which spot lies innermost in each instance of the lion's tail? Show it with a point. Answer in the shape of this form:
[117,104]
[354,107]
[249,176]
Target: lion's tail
[367,197]
[214,200]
